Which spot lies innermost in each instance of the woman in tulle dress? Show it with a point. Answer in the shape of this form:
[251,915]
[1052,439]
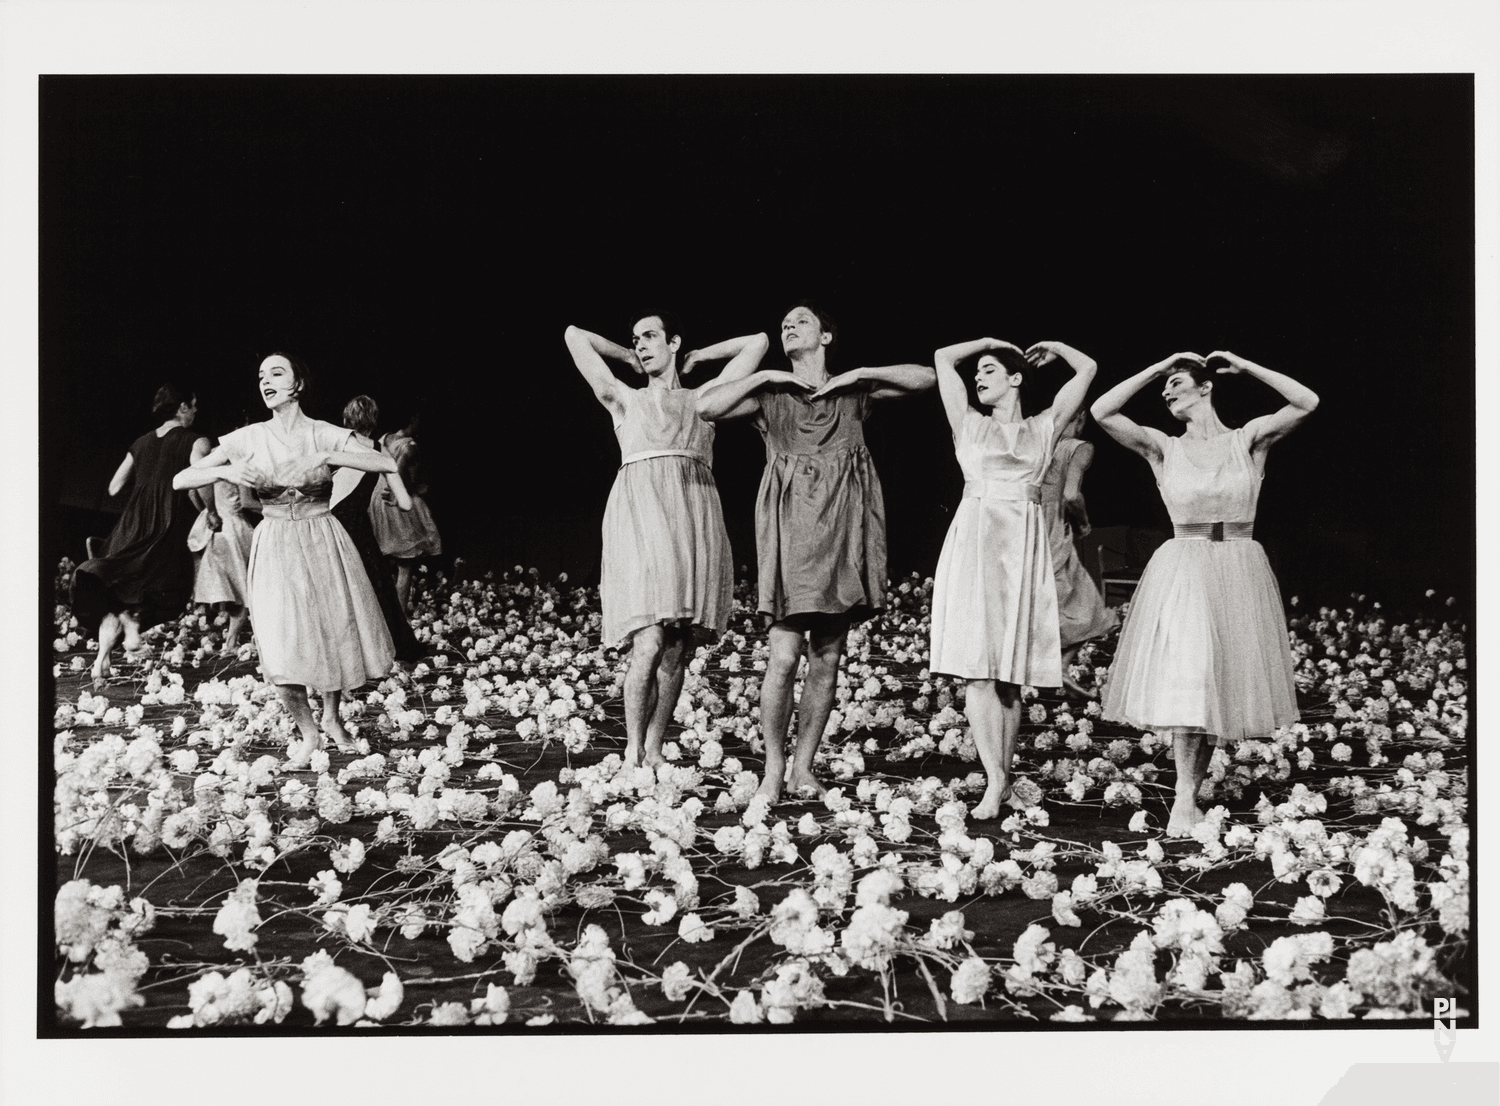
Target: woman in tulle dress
[819,523]
[352,493]
[994,600]
[318,625]
[666,566]
[404,533]
[1081,613]
[1204,654]
[145,575]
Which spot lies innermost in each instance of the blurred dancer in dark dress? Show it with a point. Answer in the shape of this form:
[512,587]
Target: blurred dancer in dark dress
[145,575]
[351,506]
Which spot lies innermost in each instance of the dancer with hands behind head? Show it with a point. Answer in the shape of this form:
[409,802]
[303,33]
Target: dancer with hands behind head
[317,623]
[819,522]
[1203,654]
[666,564]
[994,600]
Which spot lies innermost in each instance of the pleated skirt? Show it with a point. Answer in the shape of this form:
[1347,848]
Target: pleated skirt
[317,622]
[666,553]
[1204,647]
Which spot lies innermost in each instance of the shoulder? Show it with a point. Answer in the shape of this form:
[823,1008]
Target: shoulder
[330,437]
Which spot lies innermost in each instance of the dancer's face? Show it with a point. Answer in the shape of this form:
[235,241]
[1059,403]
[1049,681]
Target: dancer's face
[278,384]
[801,332]
[655,351]
[991,382]
[1182,394]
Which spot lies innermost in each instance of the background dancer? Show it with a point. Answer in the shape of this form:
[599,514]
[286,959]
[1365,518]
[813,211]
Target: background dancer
[352,492]
[819,522]
[1204,649]
[666,564]
[404,533]
[317,622]
[222,553]
[145,575]
[994,599]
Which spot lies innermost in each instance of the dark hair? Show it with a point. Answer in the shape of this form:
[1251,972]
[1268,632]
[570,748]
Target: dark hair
[169,397]
[670,323]
[1013,362]
[825,320]
[1201,374]
[300,374]
[361,414]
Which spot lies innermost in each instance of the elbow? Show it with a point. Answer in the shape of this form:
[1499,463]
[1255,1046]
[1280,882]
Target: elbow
[761,343]
[178,484]
[1097,410]
[1311,403]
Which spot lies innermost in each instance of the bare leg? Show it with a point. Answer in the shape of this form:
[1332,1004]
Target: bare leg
[109,633]
[1187,750]
[403,586]
[825,645]
[667,690]
[294,699]
[235,627]
[646,649]
[333,725]
[776,691]
[994,713]
[132,632]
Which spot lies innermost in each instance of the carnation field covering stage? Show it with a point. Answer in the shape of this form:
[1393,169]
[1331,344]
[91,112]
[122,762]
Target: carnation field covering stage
[488,861]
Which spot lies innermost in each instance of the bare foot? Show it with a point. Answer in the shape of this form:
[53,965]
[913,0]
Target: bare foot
[100,674]
[132,641]
[632,754]
[996,795]
[333,726]
[1185,815]
[803,782]
[300,752]
[654,759]
[770,787]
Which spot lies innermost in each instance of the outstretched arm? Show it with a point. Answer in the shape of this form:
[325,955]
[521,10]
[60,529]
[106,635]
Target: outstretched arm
[1070,396]
[744,355]
[736,399]
[122,474]
[1301,400]
[886,382]
[950,384]
[589,351]
[1146,441]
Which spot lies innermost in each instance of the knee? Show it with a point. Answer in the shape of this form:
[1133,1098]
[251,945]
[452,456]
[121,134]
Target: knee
[782,663]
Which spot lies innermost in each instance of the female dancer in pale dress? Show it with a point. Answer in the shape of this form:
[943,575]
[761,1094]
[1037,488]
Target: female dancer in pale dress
[1204,655]
[666,564]
[145,575]
[819,523]
[405,533]
[1081,613]
[317,623]
[222,574]
[994,600]
[352,494]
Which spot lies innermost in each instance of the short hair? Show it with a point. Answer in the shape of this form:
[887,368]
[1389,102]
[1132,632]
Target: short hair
[361,414]
[169,397]
[299,374]
[1201,374]
[825,320]
[670,323]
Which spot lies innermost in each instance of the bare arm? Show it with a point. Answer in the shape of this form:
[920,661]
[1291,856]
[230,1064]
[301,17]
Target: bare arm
[122,474]
[203,502]
[736,399]
[1146,441]
[950,385]
[1072,490]
[1070,396]
[589,351]
[886,382]
[744,355]
[1301,401]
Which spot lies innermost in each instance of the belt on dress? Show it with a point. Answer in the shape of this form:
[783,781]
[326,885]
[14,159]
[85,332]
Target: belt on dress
[646,455]
[296,510]
[1214,531]
[1003,489]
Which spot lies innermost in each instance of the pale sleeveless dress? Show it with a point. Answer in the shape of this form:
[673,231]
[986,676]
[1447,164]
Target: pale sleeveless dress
[1204,647]
[404,535]
[223,565]
[820,511]
[1081,613]
[316,619]
[666,553]
[994,602]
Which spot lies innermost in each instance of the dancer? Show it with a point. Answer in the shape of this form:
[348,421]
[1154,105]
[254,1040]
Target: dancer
[819,522]
[352,492]
[1081,613]
[404,533]
[994,600]
[666,565]
[1204,650]
[223,558]
[145,575]
[317,622]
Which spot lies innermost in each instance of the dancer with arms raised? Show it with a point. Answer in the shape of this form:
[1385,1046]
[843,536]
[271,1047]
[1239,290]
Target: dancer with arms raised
[819,522]
[1204,654]
[994,600]
[666,566]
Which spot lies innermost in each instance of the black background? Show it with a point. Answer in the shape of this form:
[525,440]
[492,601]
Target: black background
[427,239]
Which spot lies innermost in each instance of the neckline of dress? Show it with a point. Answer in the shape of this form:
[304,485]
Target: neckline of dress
[1180,438]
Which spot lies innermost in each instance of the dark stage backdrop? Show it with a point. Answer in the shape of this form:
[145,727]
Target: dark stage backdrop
[427,240]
